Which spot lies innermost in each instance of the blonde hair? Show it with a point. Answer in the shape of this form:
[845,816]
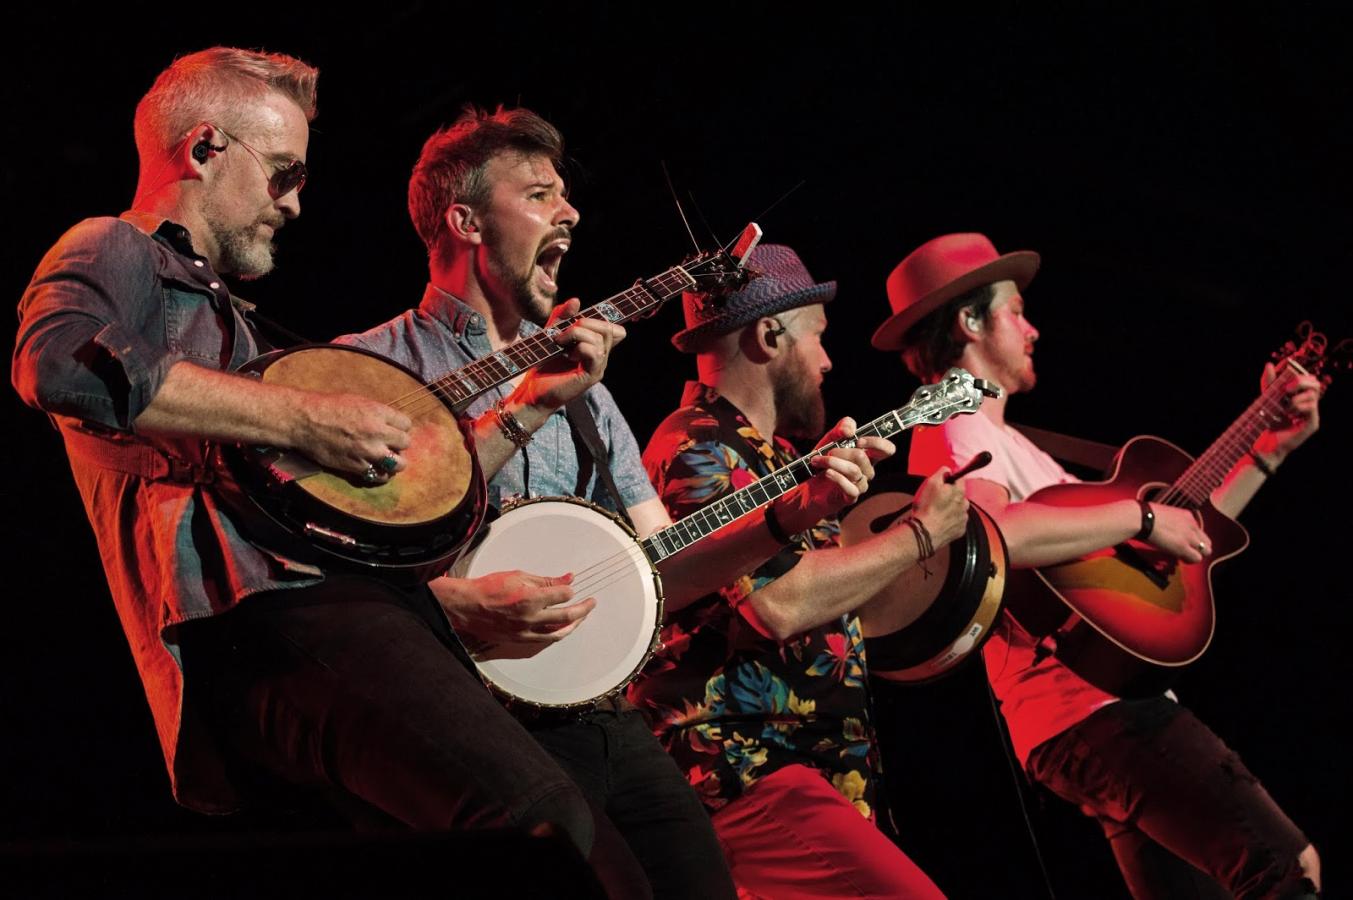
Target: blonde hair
[218,86]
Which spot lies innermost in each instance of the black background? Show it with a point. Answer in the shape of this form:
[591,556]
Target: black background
[1183,170]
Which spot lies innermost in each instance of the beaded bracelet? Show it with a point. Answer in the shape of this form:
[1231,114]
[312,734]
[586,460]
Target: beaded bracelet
[509,425]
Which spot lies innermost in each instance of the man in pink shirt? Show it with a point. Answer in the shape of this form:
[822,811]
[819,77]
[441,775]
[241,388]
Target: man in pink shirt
[1171,797]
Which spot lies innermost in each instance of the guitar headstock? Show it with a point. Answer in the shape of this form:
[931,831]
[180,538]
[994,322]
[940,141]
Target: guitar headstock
[718,273]
[1309,352]
[957,393]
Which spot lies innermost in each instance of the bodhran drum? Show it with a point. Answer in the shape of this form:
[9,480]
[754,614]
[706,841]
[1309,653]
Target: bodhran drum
[936,614]
[553,536]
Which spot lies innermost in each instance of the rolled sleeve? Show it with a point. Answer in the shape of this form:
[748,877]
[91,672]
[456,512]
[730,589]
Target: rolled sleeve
[82,348]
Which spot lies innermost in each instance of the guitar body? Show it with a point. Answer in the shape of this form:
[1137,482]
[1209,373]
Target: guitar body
[1139,608]
[412,526]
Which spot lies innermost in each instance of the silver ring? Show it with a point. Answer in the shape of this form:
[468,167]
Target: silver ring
[388,463]
[371,476]
[1202,548]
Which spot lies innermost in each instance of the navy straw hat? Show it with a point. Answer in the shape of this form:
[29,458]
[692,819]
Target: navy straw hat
[783,283]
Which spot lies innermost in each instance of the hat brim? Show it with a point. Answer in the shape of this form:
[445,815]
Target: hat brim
[687,341]
[1018,267]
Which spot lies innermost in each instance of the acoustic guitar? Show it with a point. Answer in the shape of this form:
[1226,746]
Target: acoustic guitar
[1139,614]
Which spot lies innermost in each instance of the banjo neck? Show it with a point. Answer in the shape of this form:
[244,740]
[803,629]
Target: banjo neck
[712,273]
[463,385]
[958,393]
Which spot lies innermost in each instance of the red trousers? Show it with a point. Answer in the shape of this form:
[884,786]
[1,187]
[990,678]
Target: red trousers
[792,835]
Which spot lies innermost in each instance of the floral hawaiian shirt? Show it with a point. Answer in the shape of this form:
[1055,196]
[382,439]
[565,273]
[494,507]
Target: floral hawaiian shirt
[729,704]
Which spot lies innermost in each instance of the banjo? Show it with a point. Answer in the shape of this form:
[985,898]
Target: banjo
[412,526]
[611,563]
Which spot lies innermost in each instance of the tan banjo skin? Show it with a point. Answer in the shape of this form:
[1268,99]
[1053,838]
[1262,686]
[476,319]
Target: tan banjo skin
[439,466]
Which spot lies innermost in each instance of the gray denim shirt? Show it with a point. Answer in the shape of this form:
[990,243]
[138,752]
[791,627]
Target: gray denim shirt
[112,306]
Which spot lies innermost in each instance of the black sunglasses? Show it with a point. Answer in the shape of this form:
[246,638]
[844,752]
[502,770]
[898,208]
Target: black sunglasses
[281,182]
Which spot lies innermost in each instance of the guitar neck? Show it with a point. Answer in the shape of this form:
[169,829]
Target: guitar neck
[461,387]
[709,519]
[1208,471]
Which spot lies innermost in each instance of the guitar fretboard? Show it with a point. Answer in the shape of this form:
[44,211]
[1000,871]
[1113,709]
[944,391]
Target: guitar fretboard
[1209,470]
[460,387]
[709,519]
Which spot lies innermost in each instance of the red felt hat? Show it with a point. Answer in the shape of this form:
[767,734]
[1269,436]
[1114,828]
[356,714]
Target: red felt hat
[942,269]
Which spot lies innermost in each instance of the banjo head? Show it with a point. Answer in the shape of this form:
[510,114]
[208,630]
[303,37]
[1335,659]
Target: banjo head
[555,536]
[439,466]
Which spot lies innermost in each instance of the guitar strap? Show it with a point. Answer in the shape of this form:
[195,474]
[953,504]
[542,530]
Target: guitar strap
[1065,448]
[584,427]
[268,334]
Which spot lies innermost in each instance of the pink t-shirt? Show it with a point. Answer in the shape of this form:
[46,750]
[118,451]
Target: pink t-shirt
[1040,698]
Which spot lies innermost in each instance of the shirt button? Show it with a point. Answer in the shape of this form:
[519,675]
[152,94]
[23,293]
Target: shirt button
[214,285]
[198,263]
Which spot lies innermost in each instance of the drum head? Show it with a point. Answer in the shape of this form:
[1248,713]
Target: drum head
[933,616]
[553,537]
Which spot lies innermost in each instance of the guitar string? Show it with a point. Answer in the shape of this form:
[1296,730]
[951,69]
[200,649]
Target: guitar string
[1193,485]
[1265,411]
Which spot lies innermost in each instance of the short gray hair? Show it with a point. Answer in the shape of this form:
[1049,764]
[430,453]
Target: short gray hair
[214,86]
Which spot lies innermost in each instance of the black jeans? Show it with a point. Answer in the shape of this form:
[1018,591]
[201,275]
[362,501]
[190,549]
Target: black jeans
[621,767]
[1173,800]
[359,690]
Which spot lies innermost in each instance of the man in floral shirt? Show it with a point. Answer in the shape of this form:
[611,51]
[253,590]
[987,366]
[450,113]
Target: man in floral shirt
[759,692]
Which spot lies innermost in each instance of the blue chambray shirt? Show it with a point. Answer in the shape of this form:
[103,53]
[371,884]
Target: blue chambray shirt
[112,306]
[444,334]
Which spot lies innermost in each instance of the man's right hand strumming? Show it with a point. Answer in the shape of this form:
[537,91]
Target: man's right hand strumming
[510,614]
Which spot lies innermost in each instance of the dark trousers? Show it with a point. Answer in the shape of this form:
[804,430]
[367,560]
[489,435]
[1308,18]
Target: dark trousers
[361,691]
[1175,802]
[621,767]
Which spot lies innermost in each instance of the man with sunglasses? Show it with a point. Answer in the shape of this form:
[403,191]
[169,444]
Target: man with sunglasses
[258,667]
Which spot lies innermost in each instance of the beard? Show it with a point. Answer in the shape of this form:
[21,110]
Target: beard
[242,251]
[243,254]
[520,286]
[1022,379]
[799,411]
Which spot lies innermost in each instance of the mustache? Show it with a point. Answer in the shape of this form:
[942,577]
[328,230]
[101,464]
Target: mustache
[559,234]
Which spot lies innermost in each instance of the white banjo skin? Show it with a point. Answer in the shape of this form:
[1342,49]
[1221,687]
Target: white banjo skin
[553,536]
